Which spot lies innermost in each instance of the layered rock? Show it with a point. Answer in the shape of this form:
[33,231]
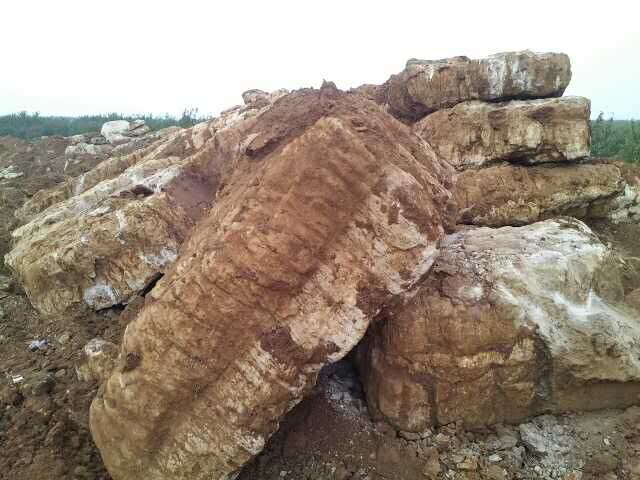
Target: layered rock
[333,210]
[99,239]
[509,323]
[508,194]
[624,207]
[121,131]
[425,86]
[473,134]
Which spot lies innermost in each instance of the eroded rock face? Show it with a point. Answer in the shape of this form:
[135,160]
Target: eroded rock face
[624,207]
[518,195]
[333,209]
[425,86]
[99,239]
[473,134]
[509,323]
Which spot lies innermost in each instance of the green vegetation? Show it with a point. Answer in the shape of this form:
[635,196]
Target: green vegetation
[616,138]
[33,125]
[609,137]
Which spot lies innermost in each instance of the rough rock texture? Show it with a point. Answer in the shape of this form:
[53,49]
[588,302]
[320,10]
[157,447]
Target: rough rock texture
[475,133]
[517,195]
[97,360]
[425,86]
[114,229]
[333,209]
[509,323]
[625,207]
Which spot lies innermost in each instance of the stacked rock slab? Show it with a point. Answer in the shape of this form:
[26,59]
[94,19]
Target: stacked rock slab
[511,322]
[99,239]
[507,194]
[333,210]
[425,86]
[474,134]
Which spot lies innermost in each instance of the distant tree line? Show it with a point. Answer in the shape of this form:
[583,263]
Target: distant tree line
[615,138]
[33,125]
[609,137]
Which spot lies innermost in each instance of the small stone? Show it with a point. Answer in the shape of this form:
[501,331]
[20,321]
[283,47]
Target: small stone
[36,345]
[442,440]
[506,438]
[494,472]
[469,463]
[533,438]
[495,458]
[432,468]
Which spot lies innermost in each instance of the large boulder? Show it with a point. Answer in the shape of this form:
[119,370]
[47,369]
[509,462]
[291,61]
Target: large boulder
[99,239]
[425,86]
[510,322]
[116,131]
[515,195]
[473,134]
[333,209]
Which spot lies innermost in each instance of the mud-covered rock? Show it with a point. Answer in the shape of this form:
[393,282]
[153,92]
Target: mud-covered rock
[473,134]
[425,86]
[509,323]
[333,210]
[515,195]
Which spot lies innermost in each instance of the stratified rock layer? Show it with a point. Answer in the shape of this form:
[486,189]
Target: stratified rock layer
[517,195]
[473,134]
[509,323]
[333,210]
[425,86]
[97,240]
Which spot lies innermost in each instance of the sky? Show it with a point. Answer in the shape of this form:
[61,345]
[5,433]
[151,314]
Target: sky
[71,57]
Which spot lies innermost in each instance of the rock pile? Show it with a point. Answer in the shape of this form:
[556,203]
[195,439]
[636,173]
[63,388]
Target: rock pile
[444,214]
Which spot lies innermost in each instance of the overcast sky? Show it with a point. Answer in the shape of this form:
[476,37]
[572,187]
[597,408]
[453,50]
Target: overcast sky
[71,57]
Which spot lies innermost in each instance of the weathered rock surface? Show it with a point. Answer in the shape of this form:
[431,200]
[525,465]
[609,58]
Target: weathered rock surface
[333,209]
[78,149]
[101,238]
[624,207]
[473,134]
[518,195]
[115,132]
[509,323]
[425,86]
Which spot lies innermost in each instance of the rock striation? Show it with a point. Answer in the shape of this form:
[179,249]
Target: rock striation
[511,322]
[473,134]
[515,195]
[425,86]
[333,210]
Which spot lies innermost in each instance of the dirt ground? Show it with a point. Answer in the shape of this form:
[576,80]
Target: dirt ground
[44,407]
